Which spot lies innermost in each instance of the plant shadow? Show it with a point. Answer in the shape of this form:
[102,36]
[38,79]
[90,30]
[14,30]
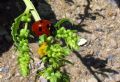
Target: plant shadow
[44,9]
[87,14]
[78,27]
[69,1]
[117,2]
[99,66]
[7,13]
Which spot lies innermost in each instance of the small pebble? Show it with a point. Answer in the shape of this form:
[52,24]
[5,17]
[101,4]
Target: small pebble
[4,69]
[42,79]
[113,44]
[1,76]
[110,57]
[82,41]
[41,66]
[1,68]
[79,21]
[99,30]
[92,80]
[97,53]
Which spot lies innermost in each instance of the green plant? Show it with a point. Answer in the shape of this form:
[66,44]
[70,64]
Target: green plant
[56,53]
[20,36]
[53,49]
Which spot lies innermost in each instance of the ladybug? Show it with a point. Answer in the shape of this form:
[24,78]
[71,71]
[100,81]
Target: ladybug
[41,27]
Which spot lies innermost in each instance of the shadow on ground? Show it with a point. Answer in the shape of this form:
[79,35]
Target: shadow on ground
[44,9]
[7,13]
[99,66]
[87,14]
[117,2]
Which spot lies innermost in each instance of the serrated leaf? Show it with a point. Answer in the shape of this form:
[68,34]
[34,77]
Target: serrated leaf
[15,27]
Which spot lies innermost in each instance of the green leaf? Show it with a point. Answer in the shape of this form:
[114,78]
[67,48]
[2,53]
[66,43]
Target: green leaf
[42,38]
[66,50]
[60,22]
[70,37]
[58,74]
[50,39]
[44,59]
[53,79]
[47,72]
[15,27]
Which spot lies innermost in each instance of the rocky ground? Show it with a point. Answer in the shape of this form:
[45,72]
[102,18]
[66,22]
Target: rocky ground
[98,21]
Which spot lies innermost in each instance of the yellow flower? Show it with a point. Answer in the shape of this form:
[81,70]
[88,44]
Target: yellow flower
[42,49]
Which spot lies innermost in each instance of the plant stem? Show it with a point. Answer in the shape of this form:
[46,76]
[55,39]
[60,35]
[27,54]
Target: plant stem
[31,7]
[26,25]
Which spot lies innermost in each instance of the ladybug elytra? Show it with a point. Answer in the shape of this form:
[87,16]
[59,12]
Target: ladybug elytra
[41,27]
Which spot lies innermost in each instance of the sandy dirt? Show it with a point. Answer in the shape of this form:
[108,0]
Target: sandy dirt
[98,21]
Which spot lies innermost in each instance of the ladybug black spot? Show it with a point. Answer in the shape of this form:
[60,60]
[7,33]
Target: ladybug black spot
[48,25]
[40,29]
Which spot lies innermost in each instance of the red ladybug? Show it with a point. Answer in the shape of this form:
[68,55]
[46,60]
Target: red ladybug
[41,27]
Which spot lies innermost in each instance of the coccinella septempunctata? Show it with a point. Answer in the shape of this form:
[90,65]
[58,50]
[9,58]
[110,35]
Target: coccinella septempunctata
[41,27]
